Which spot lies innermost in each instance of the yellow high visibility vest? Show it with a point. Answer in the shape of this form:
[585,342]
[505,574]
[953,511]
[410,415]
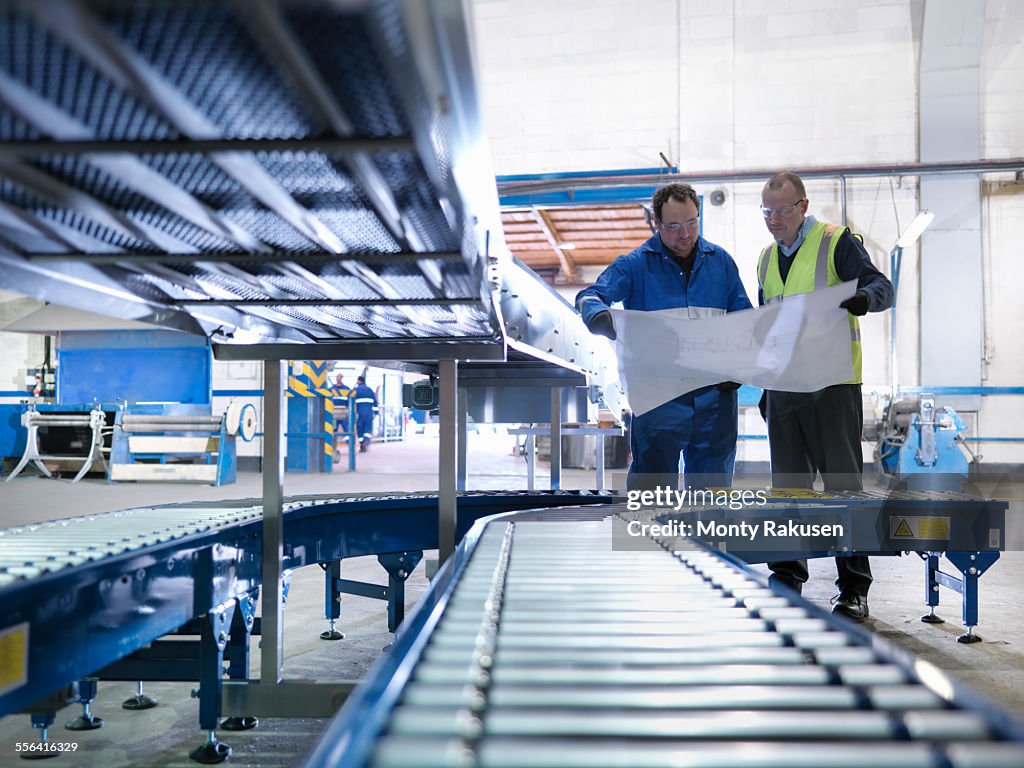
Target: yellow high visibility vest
[813,268]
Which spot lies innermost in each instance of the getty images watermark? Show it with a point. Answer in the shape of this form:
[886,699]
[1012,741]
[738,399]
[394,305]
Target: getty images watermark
[724,518]
[933,512]
[665,498]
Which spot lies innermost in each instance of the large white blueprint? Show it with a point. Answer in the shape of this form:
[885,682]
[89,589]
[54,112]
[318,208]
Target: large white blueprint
[798,345]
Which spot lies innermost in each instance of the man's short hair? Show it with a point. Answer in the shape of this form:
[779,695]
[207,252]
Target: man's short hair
[360,380]
[674,191]
[778,181]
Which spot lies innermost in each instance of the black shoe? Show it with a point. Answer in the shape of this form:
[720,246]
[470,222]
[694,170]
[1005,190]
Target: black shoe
[851,605]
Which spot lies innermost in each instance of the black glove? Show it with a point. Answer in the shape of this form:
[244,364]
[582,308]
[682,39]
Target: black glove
[601,325]
[729,386]
[856,304]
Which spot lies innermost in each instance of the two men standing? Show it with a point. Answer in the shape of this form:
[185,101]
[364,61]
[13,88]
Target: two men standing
[809,433]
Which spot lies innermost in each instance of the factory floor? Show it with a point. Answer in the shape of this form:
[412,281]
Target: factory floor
[164,735]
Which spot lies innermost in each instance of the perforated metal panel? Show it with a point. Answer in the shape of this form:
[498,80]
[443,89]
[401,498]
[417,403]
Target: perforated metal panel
[137,141]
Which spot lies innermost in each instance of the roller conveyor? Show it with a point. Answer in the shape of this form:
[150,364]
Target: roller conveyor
[81,593]
[542,645]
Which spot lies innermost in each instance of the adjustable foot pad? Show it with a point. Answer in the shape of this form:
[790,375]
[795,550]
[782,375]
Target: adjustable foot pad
[85,723]
[239,723]
[211,753]
[967,639]
[332,634]
[139,701]
[931,618]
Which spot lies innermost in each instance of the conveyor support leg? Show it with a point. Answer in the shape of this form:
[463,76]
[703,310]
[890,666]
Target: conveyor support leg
[931,587]
[86,721]
[212,641]
[399,566]
[971,566]
[238,655]
[332,595]
[42,721]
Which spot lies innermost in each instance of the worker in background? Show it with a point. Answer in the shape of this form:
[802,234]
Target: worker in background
[676,268]
[366,406]
[341,394]
[818,431]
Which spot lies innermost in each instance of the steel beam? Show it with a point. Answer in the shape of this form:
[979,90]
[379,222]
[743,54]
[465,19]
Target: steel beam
[272,645]
[447,458]
[413,350]
[34,150]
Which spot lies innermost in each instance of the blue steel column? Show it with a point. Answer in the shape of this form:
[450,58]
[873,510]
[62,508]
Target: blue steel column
[351,435]
[273,527]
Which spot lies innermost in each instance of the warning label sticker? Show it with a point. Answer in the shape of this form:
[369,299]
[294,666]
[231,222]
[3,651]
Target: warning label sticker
[919,528]
[13,657]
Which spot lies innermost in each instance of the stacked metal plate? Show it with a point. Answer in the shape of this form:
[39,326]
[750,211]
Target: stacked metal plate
[253,170]
[546,647]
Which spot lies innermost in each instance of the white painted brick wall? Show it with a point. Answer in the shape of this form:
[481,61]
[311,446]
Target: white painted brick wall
[18,352]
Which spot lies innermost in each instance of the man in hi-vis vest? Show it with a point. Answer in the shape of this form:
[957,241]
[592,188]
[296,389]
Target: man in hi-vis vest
[811,432]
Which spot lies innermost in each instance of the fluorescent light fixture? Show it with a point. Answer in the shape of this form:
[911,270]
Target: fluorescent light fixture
[917,226]
[566,246]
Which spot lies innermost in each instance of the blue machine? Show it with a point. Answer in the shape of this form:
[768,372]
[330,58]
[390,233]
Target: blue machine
[917,438]
[178,441]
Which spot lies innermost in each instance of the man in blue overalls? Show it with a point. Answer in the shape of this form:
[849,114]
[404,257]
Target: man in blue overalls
[676,268]
[340,394]
[366,406]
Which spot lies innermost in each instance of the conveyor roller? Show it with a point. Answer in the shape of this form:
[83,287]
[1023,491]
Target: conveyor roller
[545,647]
[154,423]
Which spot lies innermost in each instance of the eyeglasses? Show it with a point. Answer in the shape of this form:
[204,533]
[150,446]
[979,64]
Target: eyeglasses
[687,226]
[782,212]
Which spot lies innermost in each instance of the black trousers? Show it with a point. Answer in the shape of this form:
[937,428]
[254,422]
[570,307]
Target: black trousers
[812,432]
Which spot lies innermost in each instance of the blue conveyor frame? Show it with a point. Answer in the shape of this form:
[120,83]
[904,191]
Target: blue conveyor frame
[85,617]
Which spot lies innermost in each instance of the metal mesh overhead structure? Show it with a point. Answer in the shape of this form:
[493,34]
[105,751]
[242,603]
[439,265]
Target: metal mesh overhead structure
[258,171]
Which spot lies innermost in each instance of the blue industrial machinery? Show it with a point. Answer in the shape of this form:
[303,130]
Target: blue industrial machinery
[176,441]
[921,443]
[133,366]
[92,596]
[685,657]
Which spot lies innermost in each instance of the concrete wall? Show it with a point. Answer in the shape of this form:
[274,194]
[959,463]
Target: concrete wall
[742,84]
